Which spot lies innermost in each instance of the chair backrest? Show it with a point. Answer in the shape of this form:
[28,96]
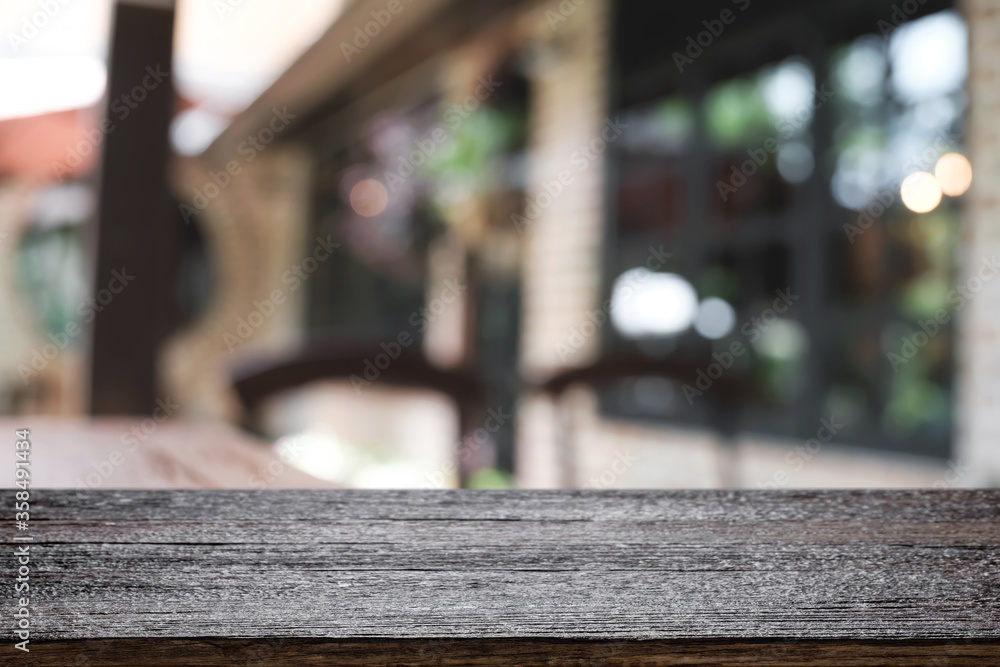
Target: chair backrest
[256,381]
[727,394]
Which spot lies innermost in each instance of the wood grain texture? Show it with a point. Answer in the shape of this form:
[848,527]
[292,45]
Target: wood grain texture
[713,577]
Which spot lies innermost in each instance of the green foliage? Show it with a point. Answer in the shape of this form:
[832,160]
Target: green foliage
[490,478]
[50,276]
[736,115]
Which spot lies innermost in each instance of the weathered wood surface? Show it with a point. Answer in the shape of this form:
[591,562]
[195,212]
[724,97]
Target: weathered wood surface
[352,577]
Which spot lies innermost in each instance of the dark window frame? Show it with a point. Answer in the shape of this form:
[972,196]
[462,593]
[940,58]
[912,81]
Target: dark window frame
[810,31]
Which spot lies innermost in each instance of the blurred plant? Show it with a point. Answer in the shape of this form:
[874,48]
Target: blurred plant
[736,114]
[49,272]
[490,478]
[473,162]
[779,359]
[932,242]
[916,404]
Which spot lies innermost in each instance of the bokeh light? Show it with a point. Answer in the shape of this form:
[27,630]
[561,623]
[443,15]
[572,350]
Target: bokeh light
[929,56]
[788,91]
[954,174]
[646,304]
[316,452]
[920,192]
[785,340]
[716,318]
[192,131]
[369,198]
[795,162]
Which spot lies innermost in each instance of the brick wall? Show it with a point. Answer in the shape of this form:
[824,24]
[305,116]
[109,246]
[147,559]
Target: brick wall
[979,366]
[562,242]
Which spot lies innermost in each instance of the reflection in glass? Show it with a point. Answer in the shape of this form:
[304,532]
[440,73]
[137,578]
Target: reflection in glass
[645,304]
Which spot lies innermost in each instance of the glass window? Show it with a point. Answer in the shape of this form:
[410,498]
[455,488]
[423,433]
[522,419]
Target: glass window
[806,178]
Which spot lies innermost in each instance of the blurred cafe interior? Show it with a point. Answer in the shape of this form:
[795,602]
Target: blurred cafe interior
[501,243]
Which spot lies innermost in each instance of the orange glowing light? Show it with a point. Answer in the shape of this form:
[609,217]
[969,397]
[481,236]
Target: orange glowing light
[954,174]
[369,198]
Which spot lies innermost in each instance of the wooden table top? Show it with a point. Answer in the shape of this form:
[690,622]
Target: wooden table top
[136,453]
[515,577]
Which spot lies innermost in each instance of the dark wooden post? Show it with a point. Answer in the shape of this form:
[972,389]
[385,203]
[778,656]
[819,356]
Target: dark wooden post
[135,243]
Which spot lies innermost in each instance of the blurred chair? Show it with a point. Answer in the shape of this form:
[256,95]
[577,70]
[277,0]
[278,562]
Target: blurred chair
[257,381]
[723,400]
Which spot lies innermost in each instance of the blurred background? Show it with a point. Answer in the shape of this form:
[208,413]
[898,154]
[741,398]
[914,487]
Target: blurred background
[501,243]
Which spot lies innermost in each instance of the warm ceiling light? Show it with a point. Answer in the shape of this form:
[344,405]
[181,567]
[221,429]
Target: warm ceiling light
[921,192]
[954,174]
[369,198]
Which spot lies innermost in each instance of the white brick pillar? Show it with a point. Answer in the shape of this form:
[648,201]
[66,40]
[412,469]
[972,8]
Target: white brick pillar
[978,373]
[563,229]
